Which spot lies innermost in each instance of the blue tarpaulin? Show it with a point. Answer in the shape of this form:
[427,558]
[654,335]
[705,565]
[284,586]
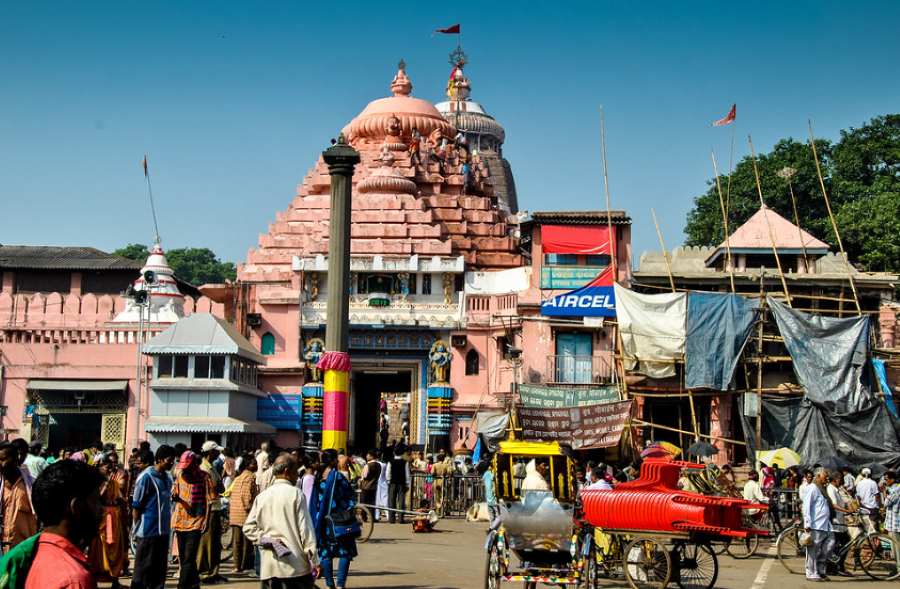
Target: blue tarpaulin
[881,373]
[718,327]
[280,410]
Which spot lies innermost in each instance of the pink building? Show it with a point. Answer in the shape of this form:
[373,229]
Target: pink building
[68,342]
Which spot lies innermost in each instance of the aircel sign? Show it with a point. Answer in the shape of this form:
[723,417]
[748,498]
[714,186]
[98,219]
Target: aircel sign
[587,301]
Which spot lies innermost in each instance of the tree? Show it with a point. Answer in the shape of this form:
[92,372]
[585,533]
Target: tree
[861,173]
[199,266]
[133,251]
[193,265]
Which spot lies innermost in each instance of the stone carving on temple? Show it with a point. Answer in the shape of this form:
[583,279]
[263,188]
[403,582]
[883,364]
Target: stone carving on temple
[439,361]
[448,288]
[312,285]
[393,139]
[312,353]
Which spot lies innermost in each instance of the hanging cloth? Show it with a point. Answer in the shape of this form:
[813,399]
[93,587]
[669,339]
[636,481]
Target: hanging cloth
[653,329]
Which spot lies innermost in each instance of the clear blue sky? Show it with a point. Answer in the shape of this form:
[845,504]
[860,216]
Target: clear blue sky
[234,100]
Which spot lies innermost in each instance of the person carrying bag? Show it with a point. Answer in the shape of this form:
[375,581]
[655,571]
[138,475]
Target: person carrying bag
[336,526]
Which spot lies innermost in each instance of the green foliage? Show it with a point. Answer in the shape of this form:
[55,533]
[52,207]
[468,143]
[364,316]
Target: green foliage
[199,266]
[862,176]
[191,264]
[133,251]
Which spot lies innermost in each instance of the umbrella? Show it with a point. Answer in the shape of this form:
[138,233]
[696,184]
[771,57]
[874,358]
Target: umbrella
[702,449]
[783,457]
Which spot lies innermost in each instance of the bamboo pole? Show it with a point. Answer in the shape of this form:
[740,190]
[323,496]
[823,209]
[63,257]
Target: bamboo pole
[652,426]
[759,363]
[728,259]
[613,251]
[837,234]
[662,244]
[787,173]
[764,208]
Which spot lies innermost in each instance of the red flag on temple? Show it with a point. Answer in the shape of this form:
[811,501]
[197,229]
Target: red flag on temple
[452,30]
[144,164]
[729,118]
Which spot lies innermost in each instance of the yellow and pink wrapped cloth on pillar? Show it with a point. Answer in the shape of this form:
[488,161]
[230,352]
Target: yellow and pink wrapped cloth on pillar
[336,399]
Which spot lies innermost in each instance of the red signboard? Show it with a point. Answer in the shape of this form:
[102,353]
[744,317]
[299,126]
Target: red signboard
[575,239]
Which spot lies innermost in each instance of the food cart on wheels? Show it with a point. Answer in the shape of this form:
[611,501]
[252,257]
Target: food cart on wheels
[536,538]
[654,533]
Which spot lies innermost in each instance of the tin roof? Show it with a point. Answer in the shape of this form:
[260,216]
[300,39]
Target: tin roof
[596,217]
[46,257]
[202,333]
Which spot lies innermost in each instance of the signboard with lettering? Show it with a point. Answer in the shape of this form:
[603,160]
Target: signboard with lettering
[531,395]
[595,299]
[582,428]
[567,276]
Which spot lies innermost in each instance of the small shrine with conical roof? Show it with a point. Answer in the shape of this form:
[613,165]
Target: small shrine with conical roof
[165,301]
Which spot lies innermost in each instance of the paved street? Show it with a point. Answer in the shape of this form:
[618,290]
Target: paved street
[453,558]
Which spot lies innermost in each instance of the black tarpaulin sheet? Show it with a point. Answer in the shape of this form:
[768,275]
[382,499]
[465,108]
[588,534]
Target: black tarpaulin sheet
[718,326]
[838,415]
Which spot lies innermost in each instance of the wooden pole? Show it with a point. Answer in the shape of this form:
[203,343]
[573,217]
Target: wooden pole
[787,173]
[724,220]
[730,171]
[662,244]
[837,234]
[613,251]
[762,204]
[759,362]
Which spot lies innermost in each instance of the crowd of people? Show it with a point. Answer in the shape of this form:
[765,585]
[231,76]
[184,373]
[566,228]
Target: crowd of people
[79,517]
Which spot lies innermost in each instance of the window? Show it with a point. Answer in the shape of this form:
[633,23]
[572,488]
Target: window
[503,347]
[597,260]
[561,259]
[362,283]
[28,281]
[574,355]
[201,367]
[459,282]
[426,284]
[164,366]
[181,366]
[267,346]
[217,367]
[471,362]
[412,284]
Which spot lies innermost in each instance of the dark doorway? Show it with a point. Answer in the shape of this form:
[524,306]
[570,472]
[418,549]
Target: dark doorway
[368,385]
[73,430]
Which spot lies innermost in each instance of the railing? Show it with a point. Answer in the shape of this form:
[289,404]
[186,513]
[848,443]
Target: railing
[99,335]
[450,495]
[568,369]
[480,308]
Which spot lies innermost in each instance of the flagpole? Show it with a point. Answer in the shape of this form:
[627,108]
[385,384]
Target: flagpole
[730,173]
[724,208]
[150,192]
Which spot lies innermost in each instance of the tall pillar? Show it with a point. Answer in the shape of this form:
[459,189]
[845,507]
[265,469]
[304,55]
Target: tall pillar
[340,159]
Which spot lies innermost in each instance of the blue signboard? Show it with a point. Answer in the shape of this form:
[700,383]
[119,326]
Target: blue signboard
[595,299]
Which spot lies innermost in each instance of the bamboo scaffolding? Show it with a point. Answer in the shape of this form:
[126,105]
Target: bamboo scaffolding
[837,234]
[642,423]
[665,252]
[762,204]
[728,260]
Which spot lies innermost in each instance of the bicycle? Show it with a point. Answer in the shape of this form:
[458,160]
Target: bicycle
[366,518]
[872,552]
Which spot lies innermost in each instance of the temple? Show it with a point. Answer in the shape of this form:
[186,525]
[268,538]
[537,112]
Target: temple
[425,212]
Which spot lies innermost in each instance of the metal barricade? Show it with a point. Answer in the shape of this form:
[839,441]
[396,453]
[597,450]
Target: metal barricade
[450,495]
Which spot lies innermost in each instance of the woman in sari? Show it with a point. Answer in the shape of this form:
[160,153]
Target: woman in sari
[108,553]
[333,494]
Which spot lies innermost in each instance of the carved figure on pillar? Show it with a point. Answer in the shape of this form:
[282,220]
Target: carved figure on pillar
[393,140]
[448,288]
[439,360]
[415,146]
[312,353]
[312,285]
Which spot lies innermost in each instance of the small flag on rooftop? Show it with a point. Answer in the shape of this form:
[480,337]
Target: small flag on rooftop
[729,118]
[451,30]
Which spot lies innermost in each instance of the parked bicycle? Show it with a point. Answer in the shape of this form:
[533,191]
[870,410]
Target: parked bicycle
[871,553]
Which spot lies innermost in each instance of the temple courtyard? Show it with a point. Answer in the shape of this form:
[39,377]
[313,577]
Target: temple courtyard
[454,558]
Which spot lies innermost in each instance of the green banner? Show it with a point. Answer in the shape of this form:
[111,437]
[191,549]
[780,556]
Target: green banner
[531,395]
[567,277]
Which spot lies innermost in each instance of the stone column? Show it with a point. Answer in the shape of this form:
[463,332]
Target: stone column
[341,159]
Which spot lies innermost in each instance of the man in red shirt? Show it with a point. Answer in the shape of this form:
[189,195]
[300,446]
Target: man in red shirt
[66,498]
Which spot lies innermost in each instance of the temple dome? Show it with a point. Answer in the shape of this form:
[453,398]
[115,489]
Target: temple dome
[412,113]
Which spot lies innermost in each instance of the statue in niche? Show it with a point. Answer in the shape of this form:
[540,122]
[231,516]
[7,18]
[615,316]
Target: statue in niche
[312,353]
[404,284]
[439,360]
[448,288]
[313,286]
[415,146]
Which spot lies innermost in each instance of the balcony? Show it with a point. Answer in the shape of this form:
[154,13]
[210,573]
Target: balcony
[481,308]
[597,369]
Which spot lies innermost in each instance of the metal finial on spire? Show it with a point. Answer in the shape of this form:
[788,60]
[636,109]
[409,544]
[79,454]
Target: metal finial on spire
[458,57]
[402,65]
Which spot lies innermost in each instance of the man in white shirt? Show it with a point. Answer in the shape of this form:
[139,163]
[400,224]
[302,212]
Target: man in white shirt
[869,500]
[753,492]
[817,522]
[598,480]
[849,481]
[804,486]
[280,524]
[33,462]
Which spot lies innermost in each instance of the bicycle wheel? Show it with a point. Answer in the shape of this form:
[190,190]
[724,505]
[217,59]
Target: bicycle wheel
[742,548]
[791,555]
[366,522]
[875,554]
[492,568]
[647,565]
[697,566]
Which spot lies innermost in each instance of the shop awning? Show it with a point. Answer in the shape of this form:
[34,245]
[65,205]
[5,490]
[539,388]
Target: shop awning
[38,384]
[207,425]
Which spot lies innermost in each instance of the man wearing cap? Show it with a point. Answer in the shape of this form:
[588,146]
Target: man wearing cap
[869,500]
[210,553]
